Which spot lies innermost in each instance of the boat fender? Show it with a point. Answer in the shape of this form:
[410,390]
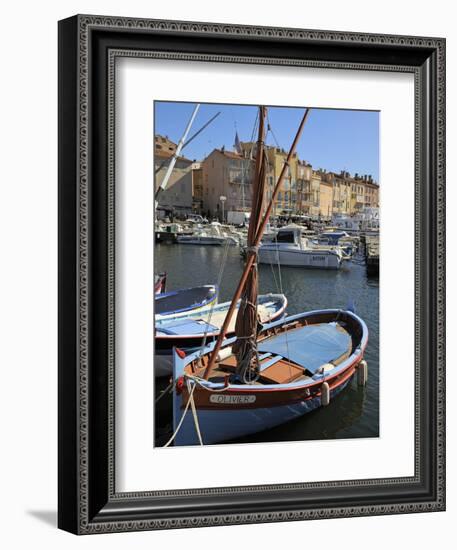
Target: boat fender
[325,394]
[362,373]
[224,353]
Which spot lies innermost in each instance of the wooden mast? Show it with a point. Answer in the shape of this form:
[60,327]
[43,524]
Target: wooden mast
[246,325]
[252,252]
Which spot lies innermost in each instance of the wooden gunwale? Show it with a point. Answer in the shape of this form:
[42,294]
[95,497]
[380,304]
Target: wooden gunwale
[269,396]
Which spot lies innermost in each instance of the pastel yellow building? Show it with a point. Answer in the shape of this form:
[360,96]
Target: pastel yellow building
[371,193]
[226,174]
[286,200]
[326,198]
[342,193]
[316,193]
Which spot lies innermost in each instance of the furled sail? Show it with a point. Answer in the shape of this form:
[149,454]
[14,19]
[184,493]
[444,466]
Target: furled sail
[247,320]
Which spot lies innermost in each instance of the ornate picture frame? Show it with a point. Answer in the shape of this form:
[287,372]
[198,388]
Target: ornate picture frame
[88,48]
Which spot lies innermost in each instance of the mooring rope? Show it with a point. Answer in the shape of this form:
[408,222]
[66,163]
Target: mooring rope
[190,403]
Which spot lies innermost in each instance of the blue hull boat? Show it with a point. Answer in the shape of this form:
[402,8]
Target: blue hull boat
[305,361]
[196,328]
[178,302]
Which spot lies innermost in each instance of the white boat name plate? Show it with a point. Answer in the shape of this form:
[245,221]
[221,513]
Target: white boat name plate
[232,399]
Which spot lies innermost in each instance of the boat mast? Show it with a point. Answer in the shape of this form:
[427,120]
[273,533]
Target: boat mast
[176,154]
[247,322]
[252,250]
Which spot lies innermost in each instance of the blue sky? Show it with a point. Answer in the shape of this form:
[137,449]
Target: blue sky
[333,139]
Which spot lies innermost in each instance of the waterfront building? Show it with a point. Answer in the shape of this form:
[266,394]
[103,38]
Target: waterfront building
[371,193]
[304,174]
[357,194]
[342,193]
[286,200]
[315,194]
[197,187]
[326,197]
[179,191]
[226,174]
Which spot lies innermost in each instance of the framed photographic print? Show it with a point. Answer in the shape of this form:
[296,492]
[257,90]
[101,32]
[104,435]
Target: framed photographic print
[251,274]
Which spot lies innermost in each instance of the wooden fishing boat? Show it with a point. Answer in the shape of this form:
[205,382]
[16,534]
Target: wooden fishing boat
[267,374]
[191,330]
[184,300]
[160,283]
[305,361]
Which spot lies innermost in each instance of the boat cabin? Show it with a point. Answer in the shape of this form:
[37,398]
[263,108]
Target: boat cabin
[291,235]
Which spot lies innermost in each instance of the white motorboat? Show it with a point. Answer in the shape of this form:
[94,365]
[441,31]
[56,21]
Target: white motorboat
[291,248]
[211,234]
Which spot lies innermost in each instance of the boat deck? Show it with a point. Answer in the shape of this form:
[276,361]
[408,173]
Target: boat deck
[275,370]
[294,355]
[209,322]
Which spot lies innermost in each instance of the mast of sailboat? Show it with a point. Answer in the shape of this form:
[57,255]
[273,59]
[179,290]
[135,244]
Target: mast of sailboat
[252,251]
[246,325]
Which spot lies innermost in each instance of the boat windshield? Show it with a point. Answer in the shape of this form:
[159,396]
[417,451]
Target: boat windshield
[285,237]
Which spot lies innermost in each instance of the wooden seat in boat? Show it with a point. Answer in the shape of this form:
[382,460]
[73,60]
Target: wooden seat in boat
[281,372]
[273,369]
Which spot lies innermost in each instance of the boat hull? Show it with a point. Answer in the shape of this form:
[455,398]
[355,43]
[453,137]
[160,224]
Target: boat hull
[185,301]
[300,258]
[207,241]
[320,357]
[226,425]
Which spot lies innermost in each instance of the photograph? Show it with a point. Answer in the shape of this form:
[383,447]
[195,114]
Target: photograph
[266,264]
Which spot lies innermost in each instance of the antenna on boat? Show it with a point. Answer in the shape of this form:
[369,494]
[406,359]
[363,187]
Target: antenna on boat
[253,249]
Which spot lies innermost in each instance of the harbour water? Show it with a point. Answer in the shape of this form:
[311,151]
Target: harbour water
[355,412]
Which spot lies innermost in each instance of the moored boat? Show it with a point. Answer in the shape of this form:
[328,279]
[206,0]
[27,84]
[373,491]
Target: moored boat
[191,330]
[211,234]
[182,301]
[290,248]
[305,361]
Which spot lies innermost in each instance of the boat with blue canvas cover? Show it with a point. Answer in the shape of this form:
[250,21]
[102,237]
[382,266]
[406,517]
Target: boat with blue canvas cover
[304,362]
[193,329]
[268,374]
[183,301]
